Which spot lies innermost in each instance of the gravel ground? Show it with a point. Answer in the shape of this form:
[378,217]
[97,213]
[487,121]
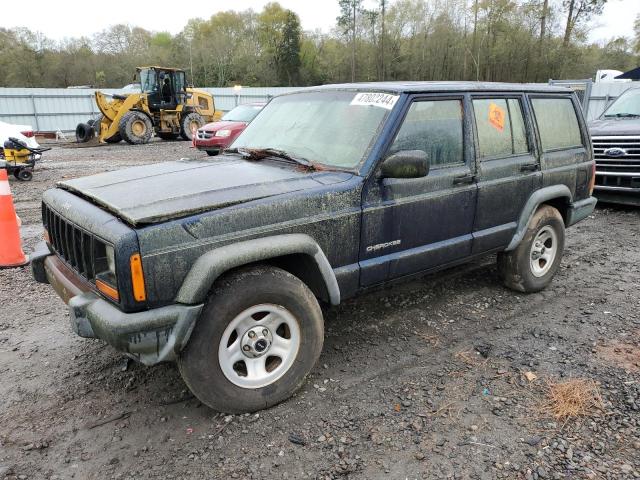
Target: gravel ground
[426,379]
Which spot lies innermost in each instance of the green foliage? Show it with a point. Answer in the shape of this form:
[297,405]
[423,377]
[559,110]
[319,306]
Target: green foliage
[495,40]
[636,31]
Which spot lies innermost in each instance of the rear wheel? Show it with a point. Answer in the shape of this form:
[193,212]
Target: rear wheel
[259,334]
[135,128]
[212,153]
[190,122]
[533,264]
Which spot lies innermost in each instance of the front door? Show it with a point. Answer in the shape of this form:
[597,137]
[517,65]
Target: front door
[412,225]
[508,168]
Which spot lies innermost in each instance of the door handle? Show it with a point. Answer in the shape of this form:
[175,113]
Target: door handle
[529,167]
[469,178]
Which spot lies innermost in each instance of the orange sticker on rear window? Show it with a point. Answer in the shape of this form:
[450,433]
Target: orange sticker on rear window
[496,117]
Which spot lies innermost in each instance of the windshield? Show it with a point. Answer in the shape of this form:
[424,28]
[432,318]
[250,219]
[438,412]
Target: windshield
[627,105]
[334,128]
[242,113]
[148,80]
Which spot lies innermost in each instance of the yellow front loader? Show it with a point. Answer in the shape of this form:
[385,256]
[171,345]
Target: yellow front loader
[164,105]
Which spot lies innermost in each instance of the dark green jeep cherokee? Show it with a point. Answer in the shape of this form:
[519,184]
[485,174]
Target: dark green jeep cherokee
[221,263]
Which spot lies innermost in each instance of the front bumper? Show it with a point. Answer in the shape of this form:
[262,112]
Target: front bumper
[151,336]
[619,195]
[213,143]
[580,210]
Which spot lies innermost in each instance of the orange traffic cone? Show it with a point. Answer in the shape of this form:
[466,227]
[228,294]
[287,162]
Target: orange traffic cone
[11,254]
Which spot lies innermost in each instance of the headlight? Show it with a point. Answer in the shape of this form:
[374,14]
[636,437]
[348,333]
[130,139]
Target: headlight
[223,133]
[106,280]
[111,259]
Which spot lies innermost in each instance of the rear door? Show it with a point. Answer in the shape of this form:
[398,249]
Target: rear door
[411,225]
[508,167]
[564,145]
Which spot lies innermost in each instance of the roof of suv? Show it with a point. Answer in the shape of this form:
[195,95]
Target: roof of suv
[417,87]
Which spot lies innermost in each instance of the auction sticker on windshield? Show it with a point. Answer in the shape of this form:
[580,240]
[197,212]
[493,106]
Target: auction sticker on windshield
[384,100]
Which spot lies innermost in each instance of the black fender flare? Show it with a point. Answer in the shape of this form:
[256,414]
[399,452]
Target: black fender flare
[536,199]
[216,262]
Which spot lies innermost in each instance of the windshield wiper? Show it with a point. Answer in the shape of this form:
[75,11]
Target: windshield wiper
[623,115]
[260,153]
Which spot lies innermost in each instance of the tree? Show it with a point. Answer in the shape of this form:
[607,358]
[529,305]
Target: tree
[514,40]
[349,10]
[579,11]
[279,36]
[636,31]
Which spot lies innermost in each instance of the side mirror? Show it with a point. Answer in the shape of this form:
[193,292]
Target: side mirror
[406,164]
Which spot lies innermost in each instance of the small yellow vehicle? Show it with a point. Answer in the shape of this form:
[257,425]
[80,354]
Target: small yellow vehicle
[20,159]
[165,105]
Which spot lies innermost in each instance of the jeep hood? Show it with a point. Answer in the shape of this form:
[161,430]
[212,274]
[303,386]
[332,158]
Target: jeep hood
[615,126]
[165,191]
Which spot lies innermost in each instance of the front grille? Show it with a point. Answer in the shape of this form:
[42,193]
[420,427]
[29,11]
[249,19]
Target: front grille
[205,135]
[617,162]
[79,249]
[604,149]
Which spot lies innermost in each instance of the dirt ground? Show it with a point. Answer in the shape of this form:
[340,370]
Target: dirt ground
[443,377]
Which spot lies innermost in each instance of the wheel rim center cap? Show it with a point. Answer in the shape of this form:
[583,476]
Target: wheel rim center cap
[256,341]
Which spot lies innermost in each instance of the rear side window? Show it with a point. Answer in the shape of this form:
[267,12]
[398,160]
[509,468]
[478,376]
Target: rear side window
[434,127]
[501,129]
[557,123]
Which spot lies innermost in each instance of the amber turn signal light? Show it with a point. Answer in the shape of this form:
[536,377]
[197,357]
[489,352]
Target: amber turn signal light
[46,236]
[137,278]
[108,290]
[592,182]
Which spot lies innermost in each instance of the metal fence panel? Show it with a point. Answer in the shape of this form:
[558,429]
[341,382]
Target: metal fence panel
[52,109]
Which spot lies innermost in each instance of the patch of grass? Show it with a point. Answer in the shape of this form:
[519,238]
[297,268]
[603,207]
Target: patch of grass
[572,398]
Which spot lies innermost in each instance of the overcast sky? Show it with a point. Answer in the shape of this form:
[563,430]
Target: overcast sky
[65,18]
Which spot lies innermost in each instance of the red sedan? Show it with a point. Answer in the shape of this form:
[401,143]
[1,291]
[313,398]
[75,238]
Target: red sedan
[216,136]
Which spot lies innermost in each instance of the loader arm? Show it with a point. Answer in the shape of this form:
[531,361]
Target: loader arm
[114,108]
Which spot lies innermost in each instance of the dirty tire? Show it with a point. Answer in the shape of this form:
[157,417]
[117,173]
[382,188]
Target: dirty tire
[187,122]
[84,132]
[167,136]
[97,126]
[135,128]
[231,296]
[516,268]
[24,175]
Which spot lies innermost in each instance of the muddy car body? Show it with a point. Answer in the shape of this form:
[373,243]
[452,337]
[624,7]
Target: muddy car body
[221,264]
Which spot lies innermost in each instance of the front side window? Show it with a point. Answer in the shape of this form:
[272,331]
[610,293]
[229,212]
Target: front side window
[557,123]
[501,129]
[435,127]
[334,128]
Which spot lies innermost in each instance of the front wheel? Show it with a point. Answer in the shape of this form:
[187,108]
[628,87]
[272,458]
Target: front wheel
[533,264]
[190,123]
[259,334]
[135,128]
